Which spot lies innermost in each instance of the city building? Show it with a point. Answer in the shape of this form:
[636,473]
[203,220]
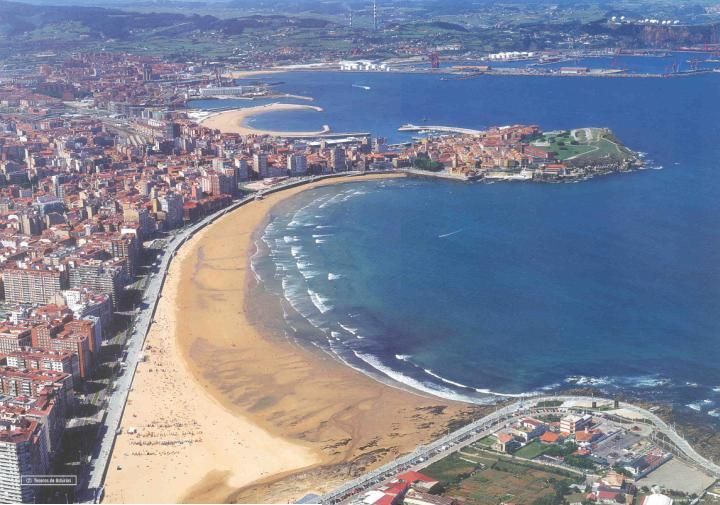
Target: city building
[297,164]
[172,205]
[40,359]
[23,451]
[572,423]
[33,285]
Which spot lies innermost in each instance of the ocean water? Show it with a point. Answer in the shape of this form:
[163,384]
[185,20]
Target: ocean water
[464,289]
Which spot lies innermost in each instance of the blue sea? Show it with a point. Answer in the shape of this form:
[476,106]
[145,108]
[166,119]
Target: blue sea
[468,289]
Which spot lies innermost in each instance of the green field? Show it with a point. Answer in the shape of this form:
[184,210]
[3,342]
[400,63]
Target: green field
[495,478]
[531,450]
[584,145]
[450,469]
[486,442]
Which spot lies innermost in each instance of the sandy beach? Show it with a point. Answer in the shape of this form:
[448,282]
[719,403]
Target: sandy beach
[227,411]
[235,121]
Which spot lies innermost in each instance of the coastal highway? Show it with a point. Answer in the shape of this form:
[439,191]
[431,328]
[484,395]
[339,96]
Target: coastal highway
[91,479]
[476,430]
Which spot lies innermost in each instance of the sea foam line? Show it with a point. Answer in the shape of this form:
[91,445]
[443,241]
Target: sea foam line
[447,381]
[319,301]
[429,388]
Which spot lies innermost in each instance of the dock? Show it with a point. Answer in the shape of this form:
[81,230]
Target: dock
[440,129]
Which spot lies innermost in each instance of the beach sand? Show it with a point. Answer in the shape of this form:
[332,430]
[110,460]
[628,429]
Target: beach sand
[270,420]
[234,121]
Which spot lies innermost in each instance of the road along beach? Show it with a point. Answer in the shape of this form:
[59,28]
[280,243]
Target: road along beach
[227,411]
[235,121]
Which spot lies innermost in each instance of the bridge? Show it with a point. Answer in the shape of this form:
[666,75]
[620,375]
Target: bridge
[438,129]
[443,447]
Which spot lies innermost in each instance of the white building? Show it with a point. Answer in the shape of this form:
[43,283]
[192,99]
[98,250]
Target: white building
[172,205]
[297,164]
[222,91]
[23,451]
[260,165]
[362,65]
[572,423]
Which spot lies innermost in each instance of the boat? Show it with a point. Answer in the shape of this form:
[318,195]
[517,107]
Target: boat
[366,88]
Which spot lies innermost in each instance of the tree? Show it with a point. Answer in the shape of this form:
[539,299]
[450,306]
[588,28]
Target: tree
[423,162]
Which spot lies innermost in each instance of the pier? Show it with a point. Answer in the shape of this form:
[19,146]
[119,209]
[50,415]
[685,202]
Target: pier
[439,129]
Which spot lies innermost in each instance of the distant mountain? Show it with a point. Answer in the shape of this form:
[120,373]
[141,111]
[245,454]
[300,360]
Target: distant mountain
[99,22]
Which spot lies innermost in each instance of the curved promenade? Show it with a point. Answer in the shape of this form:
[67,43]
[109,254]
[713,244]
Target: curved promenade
[424,455]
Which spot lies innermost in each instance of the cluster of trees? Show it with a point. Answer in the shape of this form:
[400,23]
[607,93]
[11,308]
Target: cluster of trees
[423,162]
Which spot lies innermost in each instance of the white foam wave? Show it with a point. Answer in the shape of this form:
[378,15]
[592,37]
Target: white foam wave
[716,389]
[321,235]
[649,382]
[309,274]
[582,380]
[334,199]
[505,395]
[332,276]
[429,388]
[403,357]
[255,273]
[348,329]
[714,413]
[320,240]
[295,251]
[697,406]
[336,335]
[303,265]
[447,381]
[550,387]
[296,296]
[322,303]
[290,239]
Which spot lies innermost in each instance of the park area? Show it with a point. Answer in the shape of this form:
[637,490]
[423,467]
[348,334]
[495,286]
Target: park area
[584,145]
[483,478]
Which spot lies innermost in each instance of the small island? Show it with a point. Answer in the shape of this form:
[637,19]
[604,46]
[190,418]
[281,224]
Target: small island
[519,152]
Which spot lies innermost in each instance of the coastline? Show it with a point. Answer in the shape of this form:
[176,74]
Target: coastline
[265,409]
[235,121]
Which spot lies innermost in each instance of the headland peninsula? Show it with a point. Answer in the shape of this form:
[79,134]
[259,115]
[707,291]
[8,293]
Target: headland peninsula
[500,153]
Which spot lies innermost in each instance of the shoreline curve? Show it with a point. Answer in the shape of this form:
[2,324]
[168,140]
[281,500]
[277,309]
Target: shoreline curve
[269,420]
[235,120]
